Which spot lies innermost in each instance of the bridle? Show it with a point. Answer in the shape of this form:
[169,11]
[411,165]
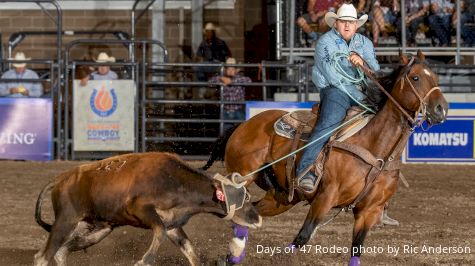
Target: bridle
[422,99]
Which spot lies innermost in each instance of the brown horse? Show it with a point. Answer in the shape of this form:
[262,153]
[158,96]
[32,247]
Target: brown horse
[413,89]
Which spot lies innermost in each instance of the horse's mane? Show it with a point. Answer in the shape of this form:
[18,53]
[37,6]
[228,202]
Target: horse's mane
[387,81]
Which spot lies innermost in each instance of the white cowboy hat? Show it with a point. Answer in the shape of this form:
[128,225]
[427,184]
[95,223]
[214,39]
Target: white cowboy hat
[231,61]
[345,12]
[209,26]
[104,58]
[20,56]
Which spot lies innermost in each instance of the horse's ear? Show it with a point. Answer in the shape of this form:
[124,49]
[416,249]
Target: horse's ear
[403,58]
[420,55]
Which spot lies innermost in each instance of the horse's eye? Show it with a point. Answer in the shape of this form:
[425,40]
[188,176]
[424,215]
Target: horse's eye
[415,78]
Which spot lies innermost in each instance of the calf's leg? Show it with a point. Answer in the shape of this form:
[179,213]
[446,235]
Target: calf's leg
[148,216]
[60,231]
[180,239]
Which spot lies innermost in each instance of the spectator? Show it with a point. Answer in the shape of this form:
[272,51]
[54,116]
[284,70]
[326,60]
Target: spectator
[415,12]
[313,22]
[467,21]
[211,50]
[232,91]
[439,20]
[19,88]
[384,16]
[103,72]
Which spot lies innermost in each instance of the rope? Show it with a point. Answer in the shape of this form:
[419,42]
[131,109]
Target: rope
[306,145]
[360,77]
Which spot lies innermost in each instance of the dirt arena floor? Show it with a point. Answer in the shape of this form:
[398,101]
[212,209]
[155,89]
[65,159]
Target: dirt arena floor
[437,211]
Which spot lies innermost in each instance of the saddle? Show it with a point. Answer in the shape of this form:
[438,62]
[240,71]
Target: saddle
[298,126]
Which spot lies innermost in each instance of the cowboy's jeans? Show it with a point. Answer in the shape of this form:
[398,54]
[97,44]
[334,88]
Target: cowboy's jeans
[333,106]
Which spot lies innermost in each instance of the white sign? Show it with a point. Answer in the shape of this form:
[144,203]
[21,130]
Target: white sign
[104,115]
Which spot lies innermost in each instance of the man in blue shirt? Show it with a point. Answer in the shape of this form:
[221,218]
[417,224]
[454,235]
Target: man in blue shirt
[336,95]
[19,88]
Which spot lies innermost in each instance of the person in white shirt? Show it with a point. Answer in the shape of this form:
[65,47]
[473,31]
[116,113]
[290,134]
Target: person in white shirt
[103,72]
[19,88]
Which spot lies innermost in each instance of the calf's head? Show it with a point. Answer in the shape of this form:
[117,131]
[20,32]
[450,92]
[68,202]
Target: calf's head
[236,202]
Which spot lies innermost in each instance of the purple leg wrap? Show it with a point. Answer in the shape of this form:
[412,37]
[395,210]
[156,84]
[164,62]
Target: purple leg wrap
[293,247]
[240,232]
[354,261]
[236,260]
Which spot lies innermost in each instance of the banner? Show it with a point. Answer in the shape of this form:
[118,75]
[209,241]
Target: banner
[26,129]
[104,115]
[452,141]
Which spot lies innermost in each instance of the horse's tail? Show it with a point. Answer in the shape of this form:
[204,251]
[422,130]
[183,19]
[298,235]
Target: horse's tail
[219,147]
[39,202]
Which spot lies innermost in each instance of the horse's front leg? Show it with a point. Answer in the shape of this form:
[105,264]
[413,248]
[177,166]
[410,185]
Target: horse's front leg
[365,219]
[321,205]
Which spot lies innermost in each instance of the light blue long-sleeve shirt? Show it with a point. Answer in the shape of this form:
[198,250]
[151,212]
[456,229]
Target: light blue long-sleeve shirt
[324,74]
[111,75]
[35,89]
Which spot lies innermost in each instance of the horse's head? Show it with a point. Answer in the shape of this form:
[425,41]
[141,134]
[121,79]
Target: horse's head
[417,90]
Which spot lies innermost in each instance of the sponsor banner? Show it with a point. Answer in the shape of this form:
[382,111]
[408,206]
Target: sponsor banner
[26,129]
[104,115]
[452,141]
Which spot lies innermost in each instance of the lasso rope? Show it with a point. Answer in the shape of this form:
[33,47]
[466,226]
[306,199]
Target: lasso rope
[360,77]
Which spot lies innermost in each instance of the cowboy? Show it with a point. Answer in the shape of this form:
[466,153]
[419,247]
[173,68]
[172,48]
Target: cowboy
[211,50]
[232,91]
[19,88]
[103,72]
[336,94]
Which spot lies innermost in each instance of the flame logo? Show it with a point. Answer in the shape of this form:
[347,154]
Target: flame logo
[103,101]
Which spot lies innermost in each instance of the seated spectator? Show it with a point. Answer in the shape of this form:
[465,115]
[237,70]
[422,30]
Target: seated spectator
[439,20]
[19,88]
[211,50]
[467,21]
[232,91]
[384,15]
[103,72]
[313,22]
[416,10]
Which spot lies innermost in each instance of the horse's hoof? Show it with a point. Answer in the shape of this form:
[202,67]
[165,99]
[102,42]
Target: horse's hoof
[223,262]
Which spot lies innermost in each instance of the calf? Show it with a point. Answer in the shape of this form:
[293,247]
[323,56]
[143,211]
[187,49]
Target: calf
[148,190]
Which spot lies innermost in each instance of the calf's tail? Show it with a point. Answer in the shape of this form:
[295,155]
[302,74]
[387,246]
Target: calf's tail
[39,202]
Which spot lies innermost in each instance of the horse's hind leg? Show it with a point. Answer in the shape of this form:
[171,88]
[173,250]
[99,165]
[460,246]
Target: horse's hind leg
[180,239]
[268,206]
[364,221]
[320,206]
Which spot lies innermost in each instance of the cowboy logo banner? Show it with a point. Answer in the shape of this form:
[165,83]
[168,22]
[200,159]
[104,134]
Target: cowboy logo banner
[104,115]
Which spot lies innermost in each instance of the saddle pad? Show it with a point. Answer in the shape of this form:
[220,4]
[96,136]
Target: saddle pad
[286,130]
